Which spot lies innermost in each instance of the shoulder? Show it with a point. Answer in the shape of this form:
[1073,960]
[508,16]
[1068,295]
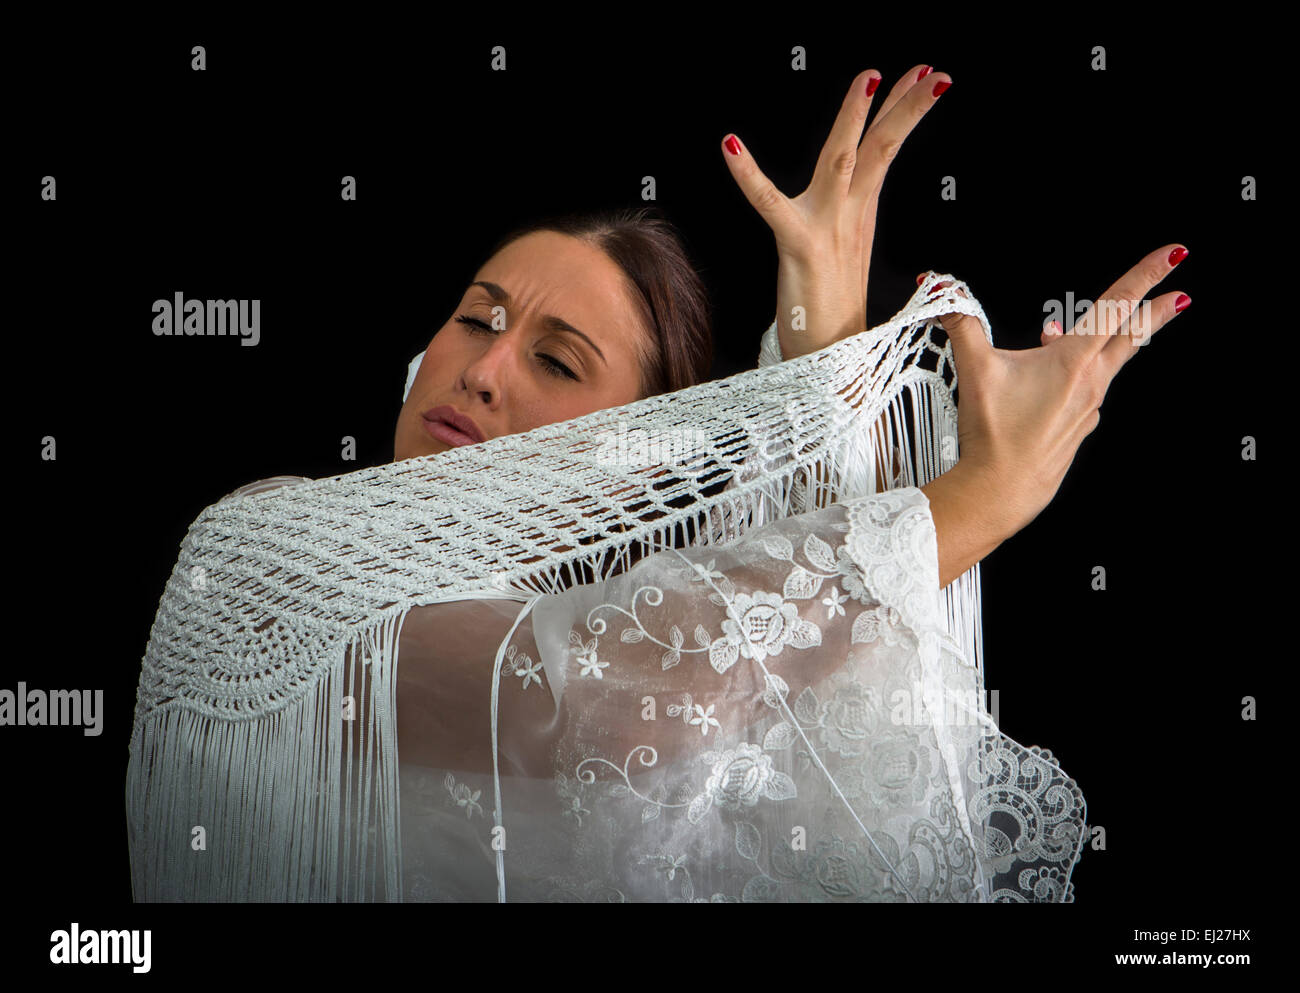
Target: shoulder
[261,485]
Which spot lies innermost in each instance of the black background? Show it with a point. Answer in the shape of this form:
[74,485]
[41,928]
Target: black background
[225,183]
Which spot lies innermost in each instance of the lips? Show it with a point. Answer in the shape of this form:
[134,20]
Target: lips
[448,424]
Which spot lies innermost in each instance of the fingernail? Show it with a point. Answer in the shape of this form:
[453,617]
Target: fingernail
[872,83]
[940,86]
[733,144]
[924,72]
[1181,303]
[1177,255]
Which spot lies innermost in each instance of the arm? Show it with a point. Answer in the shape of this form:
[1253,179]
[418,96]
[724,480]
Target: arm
[963,504]
[1024,413]
[824,235]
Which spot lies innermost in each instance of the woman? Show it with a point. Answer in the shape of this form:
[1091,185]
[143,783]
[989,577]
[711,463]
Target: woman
[623,332]
[1024,413]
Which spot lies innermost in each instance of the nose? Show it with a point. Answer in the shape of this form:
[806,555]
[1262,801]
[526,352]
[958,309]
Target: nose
[475,382]
[483,376]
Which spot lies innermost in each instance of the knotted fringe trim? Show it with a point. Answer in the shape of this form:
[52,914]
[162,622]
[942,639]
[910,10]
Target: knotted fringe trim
[300,805]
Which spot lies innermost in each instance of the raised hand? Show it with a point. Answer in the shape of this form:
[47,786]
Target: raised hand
[824,235]
[1022,414]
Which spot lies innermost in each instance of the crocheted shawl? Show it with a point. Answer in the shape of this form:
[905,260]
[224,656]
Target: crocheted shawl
[793,749]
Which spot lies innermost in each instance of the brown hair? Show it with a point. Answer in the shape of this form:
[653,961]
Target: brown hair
[667,291]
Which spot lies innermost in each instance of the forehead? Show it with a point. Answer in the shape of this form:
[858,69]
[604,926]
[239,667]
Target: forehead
[550,273]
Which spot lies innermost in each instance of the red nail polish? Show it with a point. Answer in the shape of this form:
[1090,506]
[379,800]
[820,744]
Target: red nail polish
[872,83]
[940,86]
[1177,255]
[733,145]
[925,72]
[1181,303]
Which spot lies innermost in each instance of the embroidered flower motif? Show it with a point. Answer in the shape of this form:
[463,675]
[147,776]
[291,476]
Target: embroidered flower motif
[703,573]
[842,871]
[742,775]
[591,666]
[704,718]
[665,864]
[852,716]
[570,793]
[766,621]
[527,670]
[462,797]
[896,770]
[576,810]
[851,576]
[833,601]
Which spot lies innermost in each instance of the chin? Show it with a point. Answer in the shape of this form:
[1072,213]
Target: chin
[412,442]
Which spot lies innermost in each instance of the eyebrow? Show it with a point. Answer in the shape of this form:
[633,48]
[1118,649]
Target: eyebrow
[549,321]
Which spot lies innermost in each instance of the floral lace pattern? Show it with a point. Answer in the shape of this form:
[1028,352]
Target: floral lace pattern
[819,739]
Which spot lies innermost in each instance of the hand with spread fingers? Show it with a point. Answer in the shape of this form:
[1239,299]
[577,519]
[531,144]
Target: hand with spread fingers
[1022,414]
[824,235]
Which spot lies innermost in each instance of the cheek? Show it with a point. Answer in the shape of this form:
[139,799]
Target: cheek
[552,410]
[437,356]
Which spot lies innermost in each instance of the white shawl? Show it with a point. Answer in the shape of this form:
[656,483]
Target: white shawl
[776,702]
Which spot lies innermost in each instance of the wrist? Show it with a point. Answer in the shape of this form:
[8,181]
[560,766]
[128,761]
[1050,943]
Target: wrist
[968,523]
[986,496]
[827,312]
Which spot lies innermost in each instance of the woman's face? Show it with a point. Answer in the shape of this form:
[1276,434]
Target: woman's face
[508,379]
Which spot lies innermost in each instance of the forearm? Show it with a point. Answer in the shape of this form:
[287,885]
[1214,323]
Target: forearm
[967,522]
[963,504]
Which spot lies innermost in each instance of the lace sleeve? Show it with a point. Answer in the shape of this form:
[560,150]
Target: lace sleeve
[775,719]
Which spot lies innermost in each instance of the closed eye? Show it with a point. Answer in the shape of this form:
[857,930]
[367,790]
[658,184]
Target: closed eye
[552,366]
